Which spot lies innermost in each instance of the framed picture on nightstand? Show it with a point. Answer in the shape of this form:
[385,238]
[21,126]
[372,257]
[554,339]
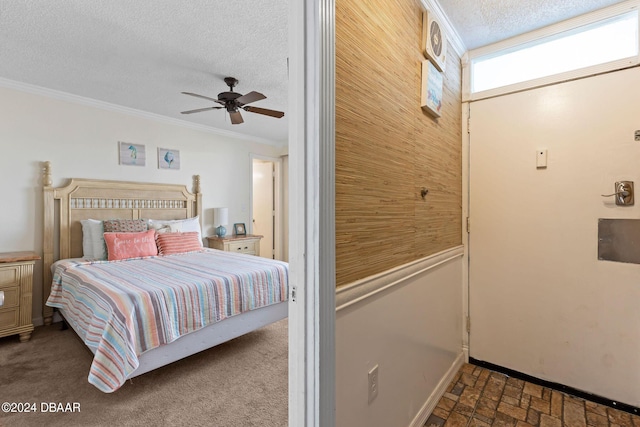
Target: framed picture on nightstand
[239,229]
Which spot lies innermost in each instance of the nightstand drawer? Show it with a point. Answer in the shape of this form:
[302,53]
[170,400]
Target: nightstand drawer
[11,296]
[246,244]
[244,247]
[9,275]
[16,285]
[9,318]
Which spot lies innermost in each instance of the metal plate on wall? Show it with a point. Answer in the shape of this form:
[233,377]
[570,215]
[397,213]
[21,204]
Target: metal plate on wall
[619,240]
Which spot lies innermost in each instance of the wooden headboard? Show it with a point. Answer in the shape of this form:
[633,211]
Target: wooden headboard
[97,199]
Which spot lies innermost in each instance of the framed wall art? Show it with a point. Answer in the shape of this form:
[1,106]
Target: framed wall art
[431,92]
[168,159]
[132,154]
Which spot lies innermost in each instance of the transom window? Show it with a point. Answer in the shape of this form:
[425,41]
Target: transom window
[608,41]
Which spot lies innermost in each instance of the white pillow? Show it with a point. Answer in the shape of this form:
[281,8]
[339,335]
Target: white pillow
[176,226]
[93,244]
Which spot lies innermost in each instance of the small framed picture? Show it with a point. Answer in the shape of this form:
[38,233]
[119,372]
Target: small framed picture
[239,229]
[132,154]
[431,93]
[168,159]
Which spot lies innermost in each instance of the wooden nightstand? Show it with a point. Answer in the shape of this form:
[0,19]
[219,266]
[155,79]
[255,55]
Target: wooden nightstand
[248,244]
[16,284]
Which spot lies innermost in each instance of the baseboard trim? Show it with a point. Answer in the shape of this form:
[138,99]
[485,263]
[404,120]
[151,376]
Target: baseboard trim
[428,407]
[556,386]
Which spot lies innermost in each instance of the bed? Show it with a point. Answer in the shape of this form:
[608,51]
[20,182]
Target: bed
[256,288]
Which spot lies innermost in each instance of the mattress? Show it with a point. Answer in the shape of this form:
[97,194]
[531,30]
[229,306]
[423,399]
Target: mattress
[121,309]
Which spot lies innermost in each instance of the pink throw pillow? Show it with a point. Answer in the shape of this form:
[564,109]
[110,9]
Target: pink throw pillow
[178,243]
[130,245]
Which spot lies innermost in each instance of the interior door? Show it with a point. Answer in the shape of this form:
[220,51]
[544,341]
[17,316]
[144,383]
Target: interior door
[540,301]
[264,205]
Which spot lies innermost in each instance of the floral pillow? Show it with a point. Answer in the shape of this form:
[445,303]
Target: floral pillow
[125,225]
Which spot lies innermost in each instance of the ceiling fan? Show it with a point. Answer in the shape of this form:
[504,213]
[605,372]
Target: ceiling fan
[233,102]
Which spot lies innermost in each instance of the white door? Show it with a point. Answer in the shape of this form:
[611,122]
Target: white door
[264,205]
[540,301]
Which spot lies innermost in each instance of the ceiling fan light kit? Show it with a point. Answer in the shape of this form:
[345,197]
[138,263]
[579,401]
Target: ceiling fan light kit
[233,102]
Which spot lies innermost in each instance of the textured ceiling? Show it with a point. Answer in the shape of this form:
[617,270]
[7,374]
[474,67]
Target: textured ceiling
[482,22]
[141,54]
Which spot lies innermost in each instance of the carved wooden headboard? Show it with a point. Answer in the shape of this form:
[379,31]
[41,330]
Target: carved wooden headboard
[97,199]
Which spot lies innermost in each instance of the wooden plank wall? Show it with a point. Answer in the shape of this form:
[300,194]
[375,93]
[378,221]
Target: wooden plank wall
[387,148]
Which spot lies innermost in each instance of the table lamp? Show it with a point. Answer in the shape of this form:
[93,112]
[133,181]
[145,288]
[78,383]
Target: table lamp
[220,219]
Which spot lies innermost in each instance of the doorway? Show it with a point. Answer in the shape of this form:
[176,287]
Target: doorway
[266,205]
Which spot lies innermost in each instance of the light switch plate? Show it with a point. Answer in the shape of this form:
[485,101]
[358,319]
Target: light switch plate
[541,158]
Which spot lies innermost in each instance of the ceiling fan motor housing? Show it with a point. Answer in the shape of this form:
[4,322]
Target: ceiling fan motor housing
[229,97]
[229,100]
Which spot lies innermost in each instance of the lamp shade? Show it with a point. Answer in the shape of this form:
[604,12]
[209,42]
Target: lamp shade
[220,216]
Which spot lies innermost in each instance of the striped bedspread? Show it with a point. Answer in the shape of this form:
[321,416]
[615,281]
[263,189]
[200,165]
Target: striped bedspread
[123,308]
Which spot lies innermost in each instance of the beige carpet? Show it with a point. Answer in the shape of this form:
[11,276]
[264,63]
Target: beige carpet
[239,383]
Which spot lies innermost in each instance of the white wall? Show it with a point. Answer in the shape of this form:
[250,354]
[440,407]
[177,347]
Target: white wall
[408,321]
[82,142]
[540,300]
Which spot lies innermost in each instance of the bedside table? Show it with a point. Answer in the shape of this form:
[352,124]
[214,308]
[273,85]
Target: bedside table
[16,283]
[248,244]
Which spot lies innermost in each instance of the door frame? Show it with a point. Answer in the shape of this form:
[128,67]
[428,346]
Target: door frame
[312,312]
[278,225]
[466,222]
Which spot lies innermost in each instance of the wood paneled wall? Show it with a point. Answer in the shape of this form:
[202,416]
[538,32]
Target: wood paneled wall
[387,147]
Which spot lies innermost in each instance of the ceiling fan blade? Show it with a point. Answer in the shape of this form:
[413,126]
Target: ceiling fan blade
[203,97]
[265,111]
[200,109]
[236,117]
[249,98]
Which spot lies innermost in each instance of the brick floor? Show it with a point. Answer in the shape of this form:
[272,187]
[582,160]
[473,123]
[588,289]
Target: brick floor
[478,397]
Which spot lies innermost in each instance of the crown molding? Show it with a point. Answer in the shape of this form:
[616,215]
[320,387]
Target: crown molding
[452,35]
[89,102]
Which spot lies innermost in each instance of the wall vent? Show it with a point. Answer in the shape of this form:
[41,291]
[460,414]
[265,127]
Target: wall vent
[434,42]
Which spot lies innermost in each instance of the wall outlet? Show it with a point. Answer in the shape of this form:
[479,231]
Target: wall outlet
[373,383]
